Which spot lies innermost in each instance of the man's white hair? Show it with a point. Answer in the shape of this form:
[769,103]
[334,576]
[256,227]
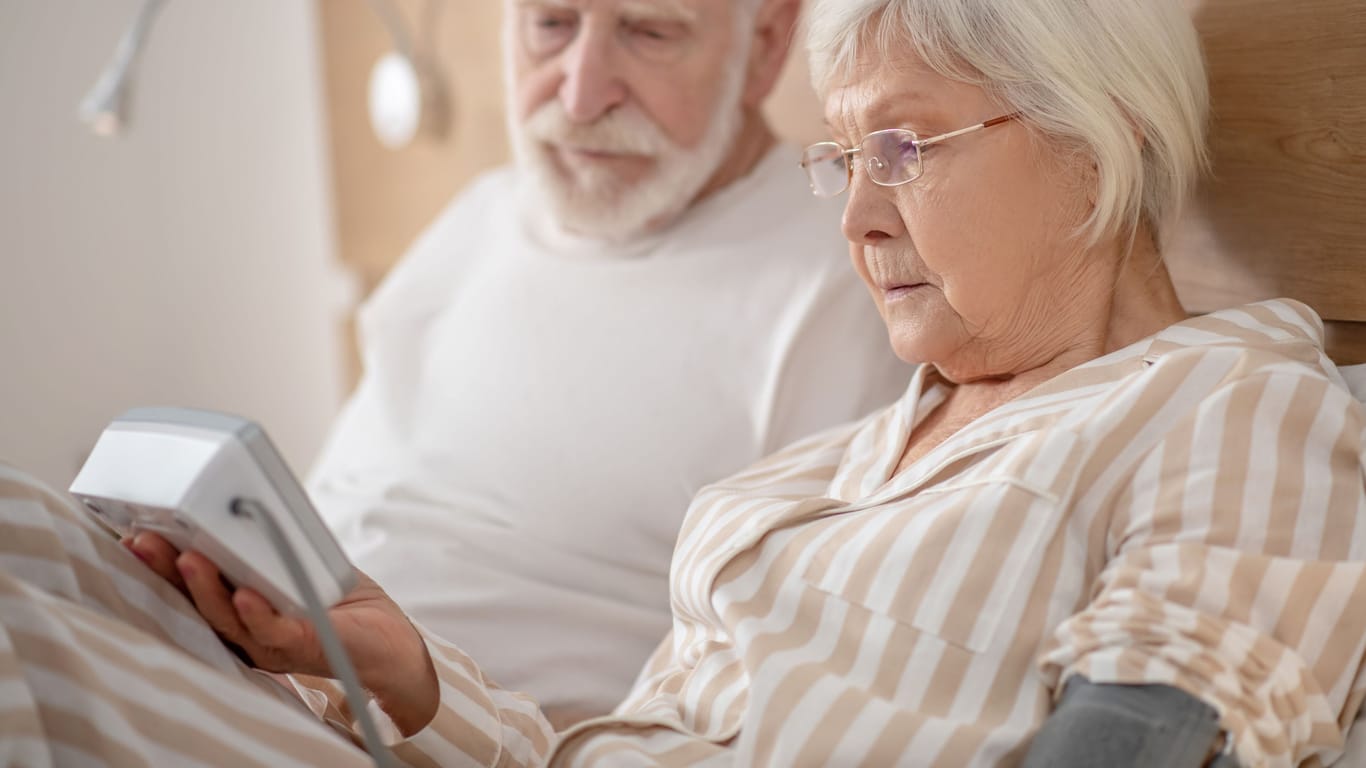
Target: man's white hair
[1121,81]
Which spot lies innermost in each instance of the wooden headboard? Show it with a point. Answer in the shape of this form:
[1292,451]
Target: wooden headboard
[1285,211]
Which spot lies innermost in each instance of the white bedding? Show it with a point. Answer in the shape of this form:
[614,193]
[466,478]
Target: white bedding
[1356,379]
[1356,738]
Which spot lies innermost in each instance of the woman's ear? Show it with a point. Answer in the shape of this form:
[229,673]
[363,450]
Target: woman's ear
[775,27]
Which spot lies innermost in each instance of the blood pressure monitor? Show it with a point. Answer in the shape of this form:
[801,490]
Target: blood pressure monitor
[214,483]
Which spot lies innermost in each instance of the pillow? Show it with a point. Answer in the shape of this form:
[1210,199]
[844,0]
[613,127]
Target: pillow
[1356,380]
[1356,738]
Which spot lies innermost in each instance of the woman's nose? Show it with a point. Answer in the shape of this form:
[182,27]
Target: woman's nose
[870,216]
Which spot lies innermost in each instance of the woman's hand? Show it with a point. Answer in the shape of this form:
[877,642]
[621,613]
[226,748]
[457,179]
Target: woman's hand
[388,653]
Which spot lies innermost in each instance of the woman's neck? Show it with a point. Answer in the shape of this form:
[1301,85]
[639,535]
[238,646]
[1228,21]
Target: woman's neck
[1145,300]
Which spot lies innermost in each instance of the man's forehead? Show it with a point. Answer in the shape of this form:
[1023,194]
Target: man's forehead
[683,10]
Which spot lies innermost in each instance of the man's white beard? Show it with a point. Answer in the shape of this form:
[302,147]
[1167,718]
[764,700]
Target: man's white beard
[595,202]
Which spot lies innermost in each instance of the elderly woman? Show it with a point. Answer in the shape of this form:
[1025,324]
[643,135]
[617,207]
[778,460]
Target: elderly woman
[1091,532]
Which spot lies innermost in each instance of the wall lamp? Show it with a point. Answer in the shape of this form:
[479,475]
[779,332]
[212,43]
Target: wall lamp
[105,107]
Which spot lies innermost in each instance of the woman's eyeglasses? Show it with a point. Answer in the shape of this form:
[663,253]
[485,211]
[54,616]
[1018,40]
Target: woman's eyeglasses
[892,157]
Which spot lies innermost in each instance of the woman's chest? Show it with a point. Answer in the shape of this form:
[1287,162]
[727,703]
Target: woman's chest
[957,556]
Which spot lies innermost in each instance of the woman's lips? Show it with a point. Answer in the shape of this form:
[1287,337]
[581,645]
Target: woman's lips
[900,292]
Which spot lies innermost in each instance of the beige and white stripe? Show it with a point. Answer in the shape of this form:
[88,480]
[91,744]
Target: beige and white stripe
[103,663]
[1187,511]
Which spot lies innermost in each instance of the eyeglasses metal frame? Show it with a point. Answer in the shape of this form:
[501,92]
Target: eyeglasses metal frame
[919,144]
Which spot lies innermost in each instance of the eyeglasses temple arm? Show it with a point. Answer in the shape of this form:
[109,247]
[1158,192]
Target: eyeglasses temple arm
[970,129]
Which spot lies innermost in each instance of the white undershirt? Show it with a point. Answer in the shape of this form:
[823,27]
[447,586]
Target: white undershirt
[538,410]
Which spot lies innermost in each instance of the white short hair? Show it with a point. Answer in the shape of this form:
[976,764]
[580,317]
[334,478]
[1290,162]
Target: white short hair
[1092,73]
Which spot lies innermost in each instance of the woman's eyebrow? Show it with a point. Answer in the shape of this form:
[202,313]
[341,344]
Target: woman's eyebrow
[892,111]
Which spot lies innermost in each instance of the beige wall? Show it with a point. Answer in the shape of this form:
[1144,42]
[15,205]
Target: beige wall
[189,262]
[383,197]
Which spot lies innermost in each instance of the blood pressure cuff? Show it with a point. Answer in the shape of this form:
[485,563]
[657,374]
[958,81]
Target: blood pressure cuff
[1128,726]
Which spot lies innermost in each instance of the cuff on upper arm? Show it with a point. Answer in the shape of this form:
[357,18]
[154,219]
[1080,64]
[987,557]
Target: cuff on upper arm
[1276,711]
[1126,726]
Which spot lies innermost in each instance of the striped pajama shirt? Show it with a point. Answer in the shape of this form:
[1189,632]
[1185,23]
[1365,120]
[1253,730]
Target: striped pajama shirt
[1187,511]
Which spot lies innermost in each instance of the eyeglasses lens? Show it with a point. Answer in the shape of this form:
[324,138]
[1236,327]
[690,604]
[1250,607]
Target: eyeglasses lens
[892,157]
[826,166]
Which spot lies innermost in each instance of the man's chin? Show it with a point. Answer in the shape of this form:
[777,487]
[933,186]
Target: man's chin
[601,203]
[598,219]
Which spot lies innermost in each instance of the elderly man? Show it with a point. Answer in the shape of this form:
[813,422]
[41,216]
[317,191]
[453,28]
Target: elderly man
[647,301]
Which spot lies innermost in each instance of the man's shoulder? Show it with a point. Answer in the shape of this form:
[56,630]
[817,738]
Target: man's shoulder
[487,188]
[442,250]
[467,214]
[500,178]
[772,207]
[778,184]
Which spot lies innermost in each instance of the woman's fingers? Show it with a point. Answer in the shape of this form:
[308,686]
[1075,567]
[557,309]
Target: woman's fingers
[266,638]
[282,636]
[158,554]
[212,598]
[271,641]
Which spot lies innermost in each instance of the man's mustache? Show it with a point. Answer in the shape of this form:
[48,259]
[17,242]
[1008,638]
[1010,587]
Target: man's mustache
[622,131]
